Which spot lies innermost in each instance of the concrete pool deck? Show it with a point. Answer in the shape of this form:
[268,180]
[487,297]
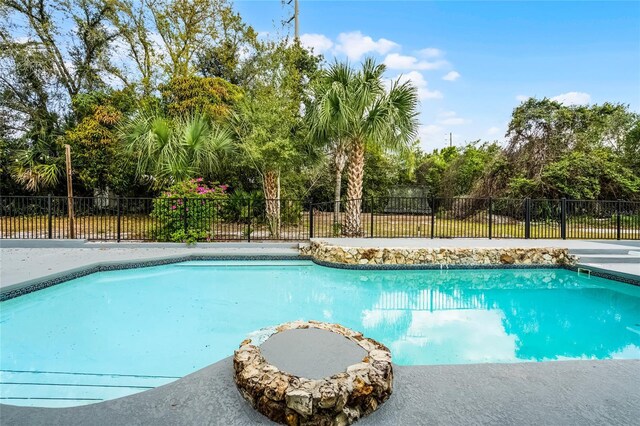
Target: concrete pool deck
[553,393]
[479,243]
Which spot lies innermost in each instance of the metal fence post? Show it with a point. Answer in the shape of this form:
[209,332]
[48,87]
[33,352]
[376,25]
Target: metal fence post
[527,218]
[119,217]
[184,212]
[563,218]
[490,216]
[618,219]
[433,216]
[371,207]
[49,218]
[249,217]
[311,219]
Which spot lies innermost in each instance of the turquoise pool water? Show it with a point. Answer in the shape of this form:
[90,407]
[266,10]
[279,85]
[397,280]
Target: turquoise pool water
[115,333]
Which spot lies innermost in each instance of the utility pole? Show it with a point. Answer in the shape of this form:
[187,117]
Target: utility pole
[450,139]
[297,23]
[72,228]
[295,18]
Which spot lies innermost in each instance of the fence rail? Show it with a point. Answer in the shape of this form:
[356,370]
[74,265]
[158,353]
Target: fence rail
[233,219]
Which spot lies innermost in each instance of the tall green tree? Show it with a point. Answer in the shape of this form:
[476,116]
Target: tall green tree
[211,96]
[235,56]
[99,162]
[268,121]
[554,150]
[77,59]
[357,107]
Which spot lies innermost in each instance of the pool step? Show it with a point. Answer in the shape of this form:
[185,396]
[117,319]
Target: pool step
[63,389]
[588,251]
[610,258]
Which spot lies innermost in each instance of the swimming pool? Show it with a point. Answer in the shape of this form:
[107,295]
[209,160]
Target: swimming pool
[115,333]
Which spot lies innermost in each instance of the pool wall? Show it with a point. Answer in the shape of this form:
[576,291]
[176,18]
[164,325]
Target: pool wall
[439,256]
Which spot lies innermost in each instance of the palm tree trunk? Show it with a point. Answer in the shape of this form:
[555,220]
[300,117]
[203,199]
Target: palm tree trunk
[339,161]
[271,186]
[355,171]
[336,197]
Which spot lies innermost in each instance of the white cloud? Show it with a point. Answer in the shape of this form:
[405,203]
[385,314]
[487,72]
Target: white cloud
[319,43]
[451,76]
[431,136]
[460,335]
[445,114]
[494,130]
[354,45]
[431,52]
[450,118]
[573,98]
[431,130]
[522,98]
[453,121]
[395,61]
[417,79]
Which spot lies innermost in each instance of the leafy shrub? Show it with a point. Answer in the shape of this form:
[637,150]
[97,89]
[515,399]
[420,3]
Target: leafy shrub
[187,211]
[237,204]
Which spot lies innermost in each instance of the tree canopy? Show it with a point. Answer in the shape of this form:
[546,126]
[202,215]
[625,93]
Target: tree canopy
[150,93]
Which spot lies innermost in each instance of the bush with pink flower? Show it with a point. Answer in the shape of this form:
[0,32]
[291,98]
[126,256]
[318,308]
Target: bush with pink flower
[187,210]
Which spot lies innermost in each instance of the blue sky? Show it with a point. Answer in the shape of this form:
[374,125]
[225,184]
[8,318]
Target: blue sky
[474,61]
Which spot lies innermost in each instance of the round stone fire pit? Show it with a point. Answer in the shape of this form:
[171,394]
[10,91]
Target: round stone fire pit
[313,373]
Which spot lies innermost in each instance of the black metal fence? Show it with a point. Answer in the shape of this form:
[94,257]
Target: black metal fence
[236,219]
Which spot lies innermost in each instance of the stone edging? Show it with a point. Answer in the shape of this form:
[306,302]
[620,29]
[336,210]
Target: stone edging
[337,400]
[329,253]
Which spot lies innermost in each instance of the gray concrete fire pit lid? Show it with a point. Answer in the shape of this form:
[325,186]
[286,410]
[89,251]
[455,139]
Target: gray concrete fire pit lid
[311,352]
[312,372]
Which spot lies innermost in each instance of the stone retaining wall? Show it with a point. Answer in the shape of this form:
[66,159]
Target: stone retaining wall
[337,400]
[437,256]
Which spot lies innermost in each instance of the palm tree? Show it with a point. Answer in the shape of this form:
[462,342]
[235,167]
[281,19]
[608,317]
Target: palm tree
[38,167]
[357,108]
[172,150]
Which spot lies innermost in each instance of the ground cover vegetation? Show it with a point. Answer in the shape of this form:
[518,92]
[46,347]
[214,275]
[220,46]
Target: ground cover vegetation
[153,94]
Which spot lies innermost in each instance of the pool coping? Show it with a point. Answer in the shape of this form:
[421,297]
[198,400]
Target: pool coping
[25,287]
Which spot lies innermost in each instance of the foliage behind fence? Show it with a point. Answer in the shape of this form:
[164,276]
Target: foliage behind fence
[243,219]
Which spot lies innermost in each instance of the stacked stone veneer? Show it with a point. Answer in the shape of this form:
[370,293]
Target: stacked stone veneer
[337,400]
[437,256]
